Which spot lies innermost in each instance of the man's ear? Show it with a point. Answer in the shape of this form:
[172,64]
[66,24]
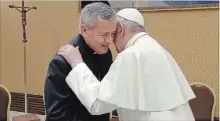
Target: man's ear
[83,29]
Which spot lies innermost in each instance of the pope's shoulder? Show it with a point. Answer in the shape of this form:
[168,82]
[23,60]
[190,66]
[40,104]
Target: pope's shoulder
[146,46]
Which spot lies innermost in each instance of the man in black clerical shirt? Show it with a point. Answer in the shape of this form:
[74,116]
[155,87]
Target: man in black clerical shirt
[97,30]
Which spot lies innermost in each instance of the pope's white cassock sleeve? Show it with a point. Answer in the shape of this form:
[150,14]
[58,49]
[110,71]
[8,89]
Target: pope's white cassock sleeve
[86,87]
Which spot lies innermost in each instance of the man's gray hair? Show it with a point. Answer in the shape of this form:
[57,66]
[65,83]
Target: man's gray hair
[133,26]
[90,13]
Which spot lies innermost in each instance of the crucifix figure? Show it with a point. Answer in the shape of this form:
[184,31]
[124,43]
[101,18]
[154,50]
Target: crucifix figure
[23,10]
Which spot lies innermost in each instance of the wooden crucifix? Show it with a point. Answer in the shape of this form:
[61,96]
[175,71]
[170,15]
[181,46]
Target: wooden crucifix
[23,10]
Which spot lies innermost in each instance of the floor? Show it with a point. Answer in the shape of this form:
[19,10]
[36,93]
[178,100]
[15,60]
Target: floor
[42,117]
[14,113]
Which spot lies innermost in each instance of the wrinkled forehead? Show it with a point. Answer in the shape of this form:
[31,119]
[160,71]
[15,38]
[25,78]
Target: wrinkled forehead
[105,26]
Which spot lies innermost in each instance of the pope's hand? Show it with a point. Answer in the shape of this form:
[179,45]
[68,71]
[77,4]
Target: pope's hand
[71,54]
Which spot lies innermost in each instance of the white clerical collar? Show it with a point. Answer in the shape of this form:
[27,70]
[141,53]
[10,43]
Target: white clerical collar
[134,39]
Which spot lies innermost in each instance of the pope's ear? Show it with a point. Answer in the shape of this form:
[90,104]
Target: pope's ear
[121,29]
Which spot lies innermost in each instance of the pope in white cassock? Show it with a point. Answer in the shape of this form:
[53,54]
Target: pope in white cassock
[144,83]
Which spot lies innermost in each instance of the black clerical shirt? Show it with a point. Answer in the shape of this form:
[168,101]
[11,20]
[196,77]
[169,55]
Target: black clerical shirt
[60,101]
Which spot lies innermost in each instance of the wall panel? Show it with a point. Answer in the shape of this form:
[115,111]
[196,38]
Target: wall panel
[192,38]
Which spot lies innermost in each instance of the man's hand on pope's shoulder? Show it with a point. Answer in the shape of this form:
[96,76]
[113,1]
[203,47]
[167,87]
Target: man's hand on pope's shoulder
[71,54]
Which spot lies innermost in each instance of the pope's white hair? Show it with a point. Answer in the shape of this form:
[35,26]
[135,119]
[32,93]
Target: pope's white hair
[90,13]
[133,26]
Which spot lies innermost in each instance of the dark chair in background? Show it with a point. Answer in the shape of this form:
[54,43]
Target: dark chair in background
[5,103]
[203,105]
